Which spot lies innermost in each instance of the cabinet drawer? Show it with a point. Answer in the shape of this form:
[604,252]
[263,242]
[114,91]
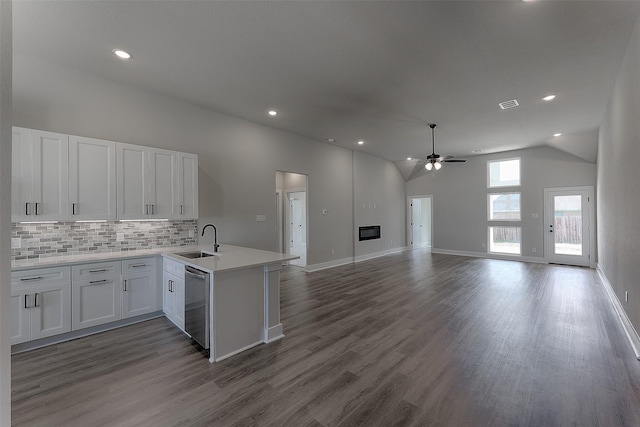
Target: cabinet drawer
[174,267]
[138,265]
[41,276]
[98,269]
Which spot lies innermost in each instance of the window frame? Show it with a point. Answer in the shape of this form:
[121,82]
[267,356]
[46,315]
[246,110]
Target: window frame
[493,220]
[489,240]
[489,162]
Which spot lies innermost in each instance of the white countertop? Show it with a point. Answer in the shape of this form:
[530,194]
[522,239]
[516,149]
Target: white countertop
[228,258]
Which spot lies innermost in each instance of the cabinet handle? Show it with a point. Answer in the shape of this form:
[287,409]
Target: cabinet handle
[26,208]
[35,300]
[170,285]
[181,209]
[153,209]
[138,265]
[37,208]
[98,271]
[26,301]
[124,283]
[97,281]
[73,208]
[146,209]
[26,279]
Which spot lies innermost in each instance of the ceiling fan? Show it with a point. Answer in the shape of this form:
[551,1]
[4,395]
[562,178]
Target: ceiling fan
[433,160]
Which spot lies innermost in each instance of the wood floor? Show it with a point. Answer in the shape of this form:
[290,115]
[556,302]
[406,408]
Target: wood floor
[411,339]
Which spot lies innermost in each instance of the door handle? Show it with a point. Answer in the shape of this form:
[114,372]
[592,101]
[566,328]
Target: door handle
[124,284]
[35,300]
[26,301]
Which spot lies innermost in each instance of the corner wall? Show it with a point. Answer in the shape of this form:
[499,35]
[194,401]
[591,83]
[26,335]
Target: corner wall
[618,189]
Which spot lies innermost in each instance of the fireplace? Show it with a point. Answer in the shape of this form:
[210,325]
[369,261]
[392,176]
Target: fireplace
[369,232]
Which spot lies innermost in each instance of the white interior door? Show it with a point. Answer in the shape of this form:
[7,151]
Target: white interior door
[567,225]
[420,222]
[297,225]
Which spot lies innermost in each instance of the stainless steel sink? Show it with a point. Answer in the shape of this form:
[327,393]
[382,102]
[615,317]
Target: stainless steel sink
[197,254]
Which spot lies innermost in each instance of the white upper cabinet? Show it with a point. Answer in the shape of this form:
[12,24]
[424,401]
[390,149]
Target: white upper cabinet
[146,182]
[92,179]
[39,176]
[187,186]
[163,175]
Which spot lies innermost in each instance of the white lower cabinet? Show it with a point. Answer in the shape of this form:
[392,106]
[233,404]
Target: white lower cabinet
[138,287]
[96,290]
[40,303]
[173,292]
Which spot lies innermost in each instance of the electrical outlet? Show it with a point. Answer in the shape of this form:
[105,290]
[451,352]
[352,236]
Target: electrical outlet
[484,245]
[119,237]
[16,243]
[534,250]
[333,252]
[192,233]
[261,218]
[392,242]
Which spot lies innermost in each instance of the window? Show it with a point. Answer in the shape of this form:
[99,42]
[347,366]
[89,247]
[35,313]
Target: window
[504,173]
[504,240]
[504,207]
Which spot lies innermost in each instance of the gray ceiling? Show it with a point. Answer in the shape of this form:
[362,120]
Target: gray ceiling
[372,70]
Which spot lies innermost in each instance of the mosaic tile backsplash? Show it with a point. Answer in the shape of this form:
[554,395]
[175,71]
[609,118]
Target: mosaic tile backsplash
[74,238]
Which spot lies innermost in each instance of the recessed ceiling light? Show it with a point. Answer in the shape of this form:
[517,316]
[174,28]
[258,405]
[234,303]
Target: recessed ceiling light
[549,98]
[409,158]
[273,113]
[476,151]
[557,134]
[122,54]
[360,142]
[331,140]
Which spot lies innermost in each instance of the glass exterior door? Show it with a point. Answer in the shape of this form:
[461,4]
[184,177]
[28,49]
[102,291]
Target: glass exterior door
[567,226]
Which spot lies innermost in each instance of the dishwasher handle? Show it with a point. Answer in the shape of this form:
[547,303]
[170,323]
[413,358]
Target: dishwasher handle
[195,272]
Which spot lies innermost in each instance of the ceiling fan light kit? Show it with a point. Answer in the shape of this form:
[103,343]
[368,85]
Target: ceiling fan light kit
[434,161]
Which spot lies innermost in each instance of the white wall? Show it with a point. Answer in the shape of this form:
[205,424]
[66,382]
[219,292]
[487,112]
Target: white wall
[618,190]
[5,212]
[378,199]
[238,159]
[460,196]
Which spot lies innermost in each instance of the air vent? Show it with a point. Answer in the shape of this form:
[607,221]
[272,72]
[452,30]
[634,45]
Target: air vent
[509,104]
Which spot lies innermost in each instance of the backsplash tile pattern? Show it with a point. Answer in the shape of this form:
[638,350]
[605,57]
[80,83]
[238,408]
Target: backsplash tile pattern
[69,238]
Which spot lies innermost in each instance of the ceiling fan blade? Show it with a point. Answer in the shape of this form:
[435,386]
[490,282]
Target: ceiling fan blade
[455,160]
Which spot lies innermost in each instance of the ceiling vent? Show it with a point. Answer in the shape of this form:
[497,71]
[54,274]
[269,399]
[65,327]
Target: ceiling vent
[509,104]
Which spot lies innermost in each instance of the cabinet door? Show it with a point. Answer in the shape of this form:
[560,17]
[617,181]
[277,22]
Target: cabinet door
[138,295]
[21,174]
[187,186]
[162,178]
[168,296]
[51,312]
[92,179]
[138,286]
[179,299]
[20,324]
[39,175]
[95,302]
[132,168]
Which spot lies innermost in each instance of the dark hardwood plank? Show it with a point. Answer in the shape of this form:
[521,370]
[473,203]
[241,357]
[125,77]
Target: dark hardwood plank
[410,339]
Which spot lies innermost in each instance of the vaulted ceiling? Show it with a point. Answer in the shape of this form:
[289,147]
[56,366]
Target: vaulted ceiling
[371,71]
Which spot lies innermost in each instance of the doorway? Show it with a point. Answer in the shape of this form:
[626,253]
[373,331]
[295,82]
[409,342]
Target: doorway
[292,217]
[568,213]
[420,221]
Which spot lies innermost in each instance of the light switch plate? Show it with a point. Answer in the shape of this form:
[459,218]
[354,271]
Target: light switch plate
[192,233]
[16,243]
[261,218]
[119,237]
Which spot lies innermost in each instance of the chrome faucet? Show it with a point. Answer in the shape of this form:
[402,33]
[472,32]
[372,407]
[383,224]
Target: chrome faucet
[215,236]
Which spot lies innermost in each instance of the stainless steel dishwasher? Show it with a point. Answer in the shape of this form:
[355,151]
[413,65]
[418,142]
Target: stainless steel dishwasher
[196,305]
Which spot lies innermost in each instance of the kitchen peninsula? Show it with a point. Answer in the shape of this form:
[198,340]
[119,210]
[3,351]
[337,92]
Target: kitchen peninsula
[244,295]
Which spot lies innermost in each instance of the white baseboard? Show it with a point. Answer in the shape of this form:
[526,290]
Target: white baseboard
[273,333]
[629,330]
[329,264]
[338,262]
[489,256]
[233,353]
